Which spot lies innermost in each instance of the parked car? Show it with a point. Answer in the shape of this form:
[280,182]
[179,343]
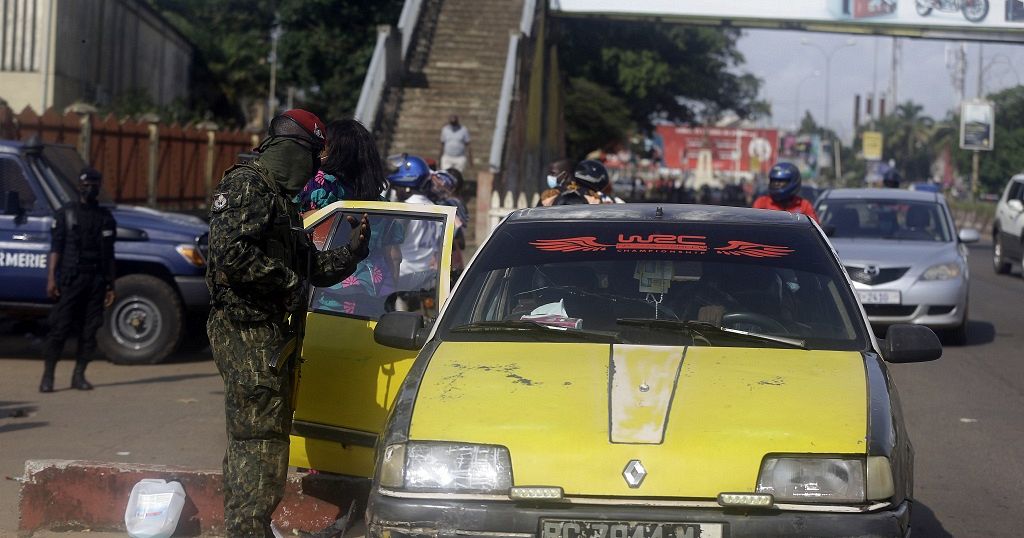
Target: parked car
[627,370]
[160,256]
[1007,236]
[904,255]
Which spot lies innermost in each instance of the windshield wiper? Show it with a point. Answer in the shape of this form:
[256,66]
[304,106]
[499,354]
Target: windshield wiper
[537,329]
[707,331]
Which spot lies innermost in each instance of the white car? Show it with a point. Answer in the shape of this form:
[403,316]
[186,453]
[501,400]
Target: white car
[1007,244]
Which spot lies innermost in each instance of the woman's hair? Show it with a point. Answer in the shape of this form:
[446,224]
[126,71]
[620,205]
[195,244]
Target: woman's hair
[353,158]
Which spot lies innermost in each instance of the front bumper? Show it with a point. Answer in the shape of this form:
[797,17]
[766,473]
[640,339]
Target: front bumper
[193,290]
[937,304]
[392,517]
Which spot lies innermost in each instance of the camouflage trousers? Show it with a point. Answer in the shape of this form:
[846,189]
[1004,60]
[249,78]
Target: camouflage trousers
[258,412]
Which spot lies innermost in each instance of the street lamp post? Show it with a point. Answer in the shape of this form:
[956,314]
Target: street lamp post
[828,68]
[799,86]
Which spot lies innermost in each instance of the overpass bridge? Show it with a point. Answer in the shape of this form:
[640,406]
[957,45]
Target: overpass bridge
[495,64]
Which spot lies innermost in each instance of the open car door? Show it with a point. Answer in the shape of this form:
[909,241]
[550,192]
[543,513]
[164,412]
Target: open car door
[347,382]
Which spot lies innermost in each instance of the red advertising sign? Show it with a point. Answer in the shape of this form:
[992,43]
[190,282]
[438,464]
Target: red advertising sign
[741,150]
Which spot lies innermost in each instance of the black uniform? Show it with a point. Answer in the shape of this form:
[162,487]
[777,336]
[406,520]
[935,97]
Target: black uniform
[83,235]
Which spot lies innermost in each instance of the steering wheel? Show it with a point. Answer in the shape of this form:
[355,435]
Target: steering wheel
[753,318]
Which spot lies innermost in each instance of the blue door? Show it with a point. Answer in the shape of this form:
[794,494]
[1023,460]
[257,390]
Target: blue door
[24,235]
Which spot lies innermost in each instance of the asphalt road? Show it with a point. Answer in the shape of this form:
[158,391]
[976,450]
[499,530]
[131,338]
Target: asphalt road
[963,412]
[965,415]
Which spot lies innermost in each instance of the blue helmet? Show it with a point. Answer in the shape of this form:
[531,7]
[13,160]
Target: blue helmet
[783,182]
[408,171]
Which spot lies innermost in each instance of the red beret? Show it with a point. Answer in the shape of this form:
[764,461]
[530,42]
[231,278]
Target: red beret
[309,122]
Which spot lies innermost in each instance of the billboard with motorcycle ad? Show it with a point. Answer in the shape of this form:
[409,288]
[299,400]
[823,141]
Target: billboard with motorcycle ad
[971,19]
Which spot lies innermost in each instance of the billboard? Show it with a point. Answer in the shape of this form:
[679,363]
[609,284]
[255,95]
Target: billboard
[872,145]
[977,126]
[732,150]
[994,20]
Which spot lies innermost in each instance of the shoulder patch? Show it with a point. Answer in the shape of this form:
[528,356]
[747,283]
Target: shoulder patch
[220,201]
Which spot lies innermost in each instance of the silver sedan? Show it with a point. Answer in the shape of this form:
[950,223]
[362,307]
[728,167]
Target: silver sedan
[903,255]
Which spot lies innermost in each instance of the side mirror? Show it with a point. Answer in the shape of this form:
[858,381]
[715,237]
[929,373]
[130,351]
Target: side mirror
[1015,205]
[402,330]
[12,203]
[910,343]
[969,235]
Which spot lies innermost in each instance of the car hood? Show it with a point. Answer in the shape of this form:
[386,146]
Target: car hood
[700,419]
[160,225]
[893,253]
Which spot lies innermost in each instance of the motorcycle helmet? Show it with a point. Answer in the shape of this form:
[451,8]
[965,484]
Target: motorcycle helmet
[570,198]
[408,171]
[783,182]
[442,185]
[891,179]
[591,175]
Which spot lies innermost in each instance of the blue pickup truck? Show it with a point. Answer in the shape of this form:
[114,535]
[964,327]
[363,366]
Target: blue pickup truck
[161,257]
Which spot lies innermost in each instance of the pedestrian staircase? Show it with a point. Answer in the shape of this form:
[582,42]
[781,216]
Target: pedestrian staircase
[455,67]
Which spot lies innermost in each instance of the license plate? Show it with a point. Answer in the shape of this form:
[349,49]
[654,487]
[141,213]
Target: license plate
[553,528]
[879,296]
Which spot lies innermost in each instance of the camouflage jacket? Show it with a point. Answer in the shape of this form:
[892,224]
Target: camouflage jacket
[259,251]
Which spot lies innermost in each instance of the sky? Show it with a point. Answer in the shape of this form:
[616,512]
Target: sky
[783,62]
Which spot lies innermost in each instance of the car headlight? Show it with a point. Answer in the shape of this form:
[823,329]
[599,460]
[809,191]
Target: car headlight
[447,467]
[942,271]
[191,255]
[813,480]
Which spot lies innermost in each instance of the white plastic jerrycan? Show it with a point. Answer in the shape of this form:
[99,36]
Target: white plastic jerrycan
[154,508]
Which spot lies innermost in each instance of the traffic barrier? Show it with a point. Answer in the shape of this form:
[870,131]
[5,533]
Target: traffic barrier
[63,495]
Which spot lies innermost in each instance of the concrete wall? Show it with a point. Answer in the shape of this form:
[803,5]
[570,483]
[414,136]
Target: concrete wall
[56,52]
[23,52]
[106,48]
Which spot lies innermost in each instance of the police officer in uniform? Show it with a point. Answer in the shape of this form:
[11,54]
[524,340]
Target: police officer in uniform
[259,265]
[81,277]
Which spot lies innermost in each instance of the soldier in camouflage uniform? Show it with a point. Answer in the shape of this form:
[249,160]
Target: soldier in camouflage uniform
[259,261]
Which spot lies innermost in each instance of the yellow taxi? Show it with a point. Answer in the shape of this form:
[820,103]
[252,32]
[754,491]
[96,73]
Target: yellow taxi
[617,371]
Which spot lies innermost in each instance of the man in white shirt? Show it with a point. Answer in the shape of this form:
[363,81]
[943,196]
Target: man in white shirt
[455,151]
[421,248]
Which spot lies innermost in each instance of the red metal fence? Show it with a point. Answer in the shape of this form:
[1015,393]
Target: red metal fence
[166,166]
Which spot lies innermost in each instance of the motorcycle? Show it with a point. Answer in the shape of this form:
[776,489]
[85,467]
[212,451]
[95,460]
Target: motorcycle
[973,10]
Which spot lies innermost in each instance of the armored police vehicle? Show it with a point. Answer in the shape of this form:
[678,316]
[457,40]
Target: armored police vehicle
[160,256]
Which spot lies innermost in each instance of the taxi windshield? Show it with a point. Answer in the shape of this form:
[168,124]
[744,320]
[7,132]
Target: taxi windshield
[738,285]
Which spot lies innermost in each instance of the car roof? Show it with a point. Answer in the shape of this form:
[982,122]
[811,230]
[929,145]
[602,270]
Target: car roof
[11,146]
[649,212]
[881,194]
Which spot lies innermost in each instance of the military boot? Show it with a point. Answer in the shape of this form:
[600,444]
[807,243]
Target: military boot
[46,385]
[78,378]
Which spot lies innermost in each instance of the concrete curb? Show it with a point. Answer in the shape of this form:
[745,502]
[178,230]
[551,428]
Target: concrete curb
[62,495]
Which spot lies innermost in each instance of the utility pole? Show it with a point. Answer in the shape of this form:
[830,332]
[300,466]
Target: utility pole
[275,35]
[976,157]
[894,74]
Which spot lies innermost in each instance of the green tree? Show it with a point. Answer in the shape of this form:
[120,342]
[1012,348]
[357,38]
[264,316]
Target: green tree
[326,48]
[232,40]
[908,140]
[1007,156]
[323,52]
[595,118]
[661,71]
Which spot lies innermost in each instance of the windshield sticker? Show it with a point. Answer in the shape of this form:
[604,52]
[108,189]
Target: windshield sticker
[570,244]
[754,250]
[683,244]
[662,243]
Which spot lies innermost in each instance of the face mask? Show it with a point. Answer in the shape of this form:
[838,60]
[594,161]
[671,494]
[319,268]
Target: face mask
[90,192]
[552,181]
[292,163]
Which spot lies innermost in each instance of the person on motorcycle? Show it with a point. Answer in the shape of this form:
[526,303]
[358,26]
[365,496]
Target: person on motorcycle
[891,179]
[783,188]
